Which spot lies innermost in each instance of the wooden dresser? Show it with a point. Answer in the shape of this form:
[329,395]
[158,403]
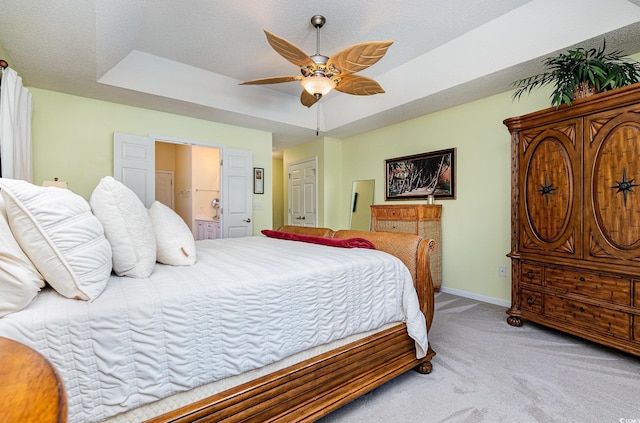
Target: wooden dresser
[575,245]
[420,219]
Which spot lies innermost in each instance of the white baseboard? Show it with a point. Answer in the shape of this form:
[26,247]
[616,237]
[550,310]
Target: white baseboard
[474,296]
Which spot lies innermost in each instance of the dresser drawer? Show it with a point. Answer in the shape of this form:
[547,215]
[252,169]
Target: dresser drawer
[588,316]
[531,301]
[590,284]
[400,213]
[531,273]
[396,226]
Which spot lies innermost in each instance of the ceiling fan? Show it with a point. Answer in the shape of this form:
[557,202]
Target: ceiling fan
[320,74]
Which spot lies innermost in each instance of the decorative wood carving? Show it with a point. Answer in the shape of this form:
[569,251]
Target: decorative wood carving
[596,250]
[569,246]
[569,131]
[595,127]
[529,242]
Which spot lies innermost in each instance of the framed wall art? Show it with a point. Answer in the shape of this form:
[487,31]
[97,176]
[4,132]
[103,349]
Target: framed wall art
[421,175]
[258,180]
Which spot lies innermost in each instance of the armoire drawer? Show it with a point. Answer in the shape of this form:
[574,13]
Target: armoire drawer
[588,316]
[590,284]
[531,273]
[531,301]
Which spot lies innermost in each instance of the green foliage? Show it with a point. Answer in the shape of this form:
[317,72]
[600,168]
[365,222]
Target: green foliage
[581,69]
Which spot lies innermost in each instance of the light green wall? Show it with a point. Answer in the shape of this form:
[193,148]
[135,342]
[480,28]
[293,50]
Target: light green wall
[333,200]
[73,140]
[476,225]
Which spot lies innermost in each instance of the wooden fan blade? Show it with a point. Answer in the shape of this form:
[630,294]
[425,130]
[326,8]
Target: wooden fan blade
[359,56]
[308,99]
[358,85]
[289,51]
[272,80]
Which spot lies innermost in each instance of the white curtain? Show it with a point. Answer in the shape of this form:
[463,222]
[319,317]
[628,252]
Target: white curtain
[16,108]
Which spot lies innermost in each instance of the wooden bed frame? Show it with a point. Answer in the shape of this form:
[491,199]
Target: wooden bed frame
[313,388]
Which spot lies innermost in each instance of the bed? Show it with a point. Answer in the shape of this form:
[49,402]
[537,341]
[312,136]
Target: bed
[141,350]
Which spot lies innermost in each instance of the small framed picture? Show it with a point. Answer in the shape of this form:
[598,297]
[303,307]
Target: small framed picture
[258,180]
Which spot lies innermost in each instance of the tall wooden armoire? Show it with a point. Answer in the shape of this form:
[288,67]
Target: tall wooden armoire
[575,244]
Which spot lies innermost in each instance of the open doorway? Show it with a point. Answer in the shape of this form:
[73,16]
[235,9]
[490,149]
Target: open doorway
[134,165]
[195,185]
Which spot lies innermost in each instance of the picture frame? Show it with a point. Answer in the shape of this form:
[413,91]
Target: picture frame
[421,175]
[258,180]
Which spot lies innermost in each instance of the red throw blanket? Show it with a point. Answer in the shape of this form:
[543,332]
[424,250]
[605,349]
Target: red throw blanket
[332,242]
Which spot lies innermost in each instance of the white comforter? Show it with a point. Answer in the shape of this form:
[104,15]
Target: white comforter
[246,303]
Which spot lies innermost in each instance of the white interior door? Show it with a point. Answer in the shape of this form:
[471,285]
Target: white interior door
[164,187]
[134,164]
[303,193]
[237,193]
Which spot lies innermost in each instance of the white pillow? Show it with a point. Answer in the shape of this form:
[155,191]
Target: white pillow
[127,227]
[61,237]
[19,279]
[174,241]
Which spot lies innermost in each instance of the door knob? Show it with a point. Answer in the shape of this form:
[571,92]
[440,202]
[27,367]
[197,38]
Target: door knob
[248,220]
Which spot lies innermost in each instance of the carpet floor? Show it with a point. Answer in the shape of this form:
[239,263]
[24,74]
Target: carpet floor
[488,371]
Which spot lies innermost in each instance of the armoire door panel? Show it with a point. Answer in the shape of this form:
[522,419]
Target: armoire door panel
[550,162]
[612,191]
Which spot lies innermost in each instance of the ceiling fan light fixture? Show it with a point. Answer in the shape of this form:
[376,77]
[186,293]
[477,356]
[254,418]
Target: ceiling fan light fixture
[315,85]
[321,74]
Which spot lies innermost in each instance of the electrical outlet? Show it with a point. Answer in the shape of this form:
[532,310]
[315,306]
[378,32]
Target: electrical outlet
[502,271]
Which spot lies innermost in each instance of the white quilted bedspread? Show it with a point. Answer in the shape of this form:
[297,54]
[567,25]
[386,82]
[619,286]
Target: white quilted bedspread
[246,303]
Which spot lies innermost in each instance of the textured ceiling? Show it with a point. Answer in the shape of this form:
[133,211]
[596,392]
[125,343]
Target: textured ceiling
[187,57]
